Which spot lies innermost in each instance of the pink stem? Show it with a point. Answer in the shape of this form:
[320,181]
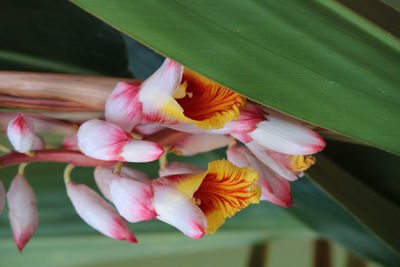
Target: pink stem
[54,155]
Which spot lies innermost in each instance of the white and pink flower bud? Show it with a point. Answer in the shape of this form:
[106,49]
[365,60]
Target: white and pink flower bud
[106,141]
[274,188]
[22,210]
[132,198]
[2,197]
[104,175]
[98,213]
[178,209]
[176,167]
[285,135]
[20,134]
[123,107]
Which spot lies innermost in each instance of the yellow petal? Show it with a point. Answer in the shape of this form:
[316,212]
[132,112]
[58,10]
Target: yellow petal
[225,190]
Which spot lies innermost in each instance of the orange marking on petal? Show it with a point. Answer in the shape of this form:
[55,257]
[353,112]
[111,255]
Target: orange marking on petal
[225,190]
[207,103]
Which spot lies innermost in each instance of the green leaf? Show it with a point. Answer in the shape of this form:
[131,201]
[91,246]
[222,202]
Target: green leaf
[315,60]
[342,208]
[53,36]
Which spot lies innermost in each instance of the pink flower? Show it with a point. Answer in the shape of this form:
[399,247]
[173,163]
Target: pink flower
[106,141]
[22,212]
[123,107]
[274,188]
[286,135]
[104,175]
[98,213]
[20,134]
[130,192]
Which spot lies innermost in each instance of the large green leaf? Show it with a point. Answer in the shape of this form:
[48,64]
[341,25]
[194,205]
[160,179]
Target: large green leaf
[315,60]
[53,36]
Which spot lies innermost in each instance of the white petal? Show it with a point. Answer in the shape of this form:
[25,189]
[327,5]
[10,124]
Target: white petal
[158,89]
[102,140]
[176,167]
[262,155]
[200,143]
[2,196]
[132,198]
[141,151]
[98,213]
[20,134]
[123,107]
[22,210]
[178,210]
[104,175]
[283,135]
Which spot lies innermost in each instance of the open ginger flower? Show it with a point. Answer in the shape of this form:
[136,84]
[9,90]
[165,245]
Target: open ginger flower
[194,201]
[172,96]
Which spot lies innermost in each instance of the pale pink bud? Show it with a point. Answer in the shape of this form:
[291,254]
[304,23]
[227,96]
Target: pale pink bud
[132,198]
[123,107]
[98,213]
[282,134]
[274,188]
[2,196]
[176,167]
[20,134]
[22,210]
[106,141]
[104,175]
[178,209]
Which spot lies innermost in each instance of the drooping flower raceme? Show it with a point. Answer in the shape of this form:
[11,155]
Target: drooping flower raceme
[174,110]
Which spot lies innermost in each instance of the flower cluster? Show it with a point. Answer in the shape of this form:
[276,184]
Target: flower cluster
[176,111]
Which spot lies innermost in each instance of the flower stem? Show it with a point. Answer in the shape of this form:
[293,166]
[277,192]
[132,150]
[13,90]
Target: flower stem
[67,173]
[21,168]
[56,155]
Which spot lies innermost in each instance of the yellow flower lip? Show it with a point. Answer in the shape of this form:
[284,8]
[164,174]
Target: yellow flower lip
[221,191]
[203,102]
